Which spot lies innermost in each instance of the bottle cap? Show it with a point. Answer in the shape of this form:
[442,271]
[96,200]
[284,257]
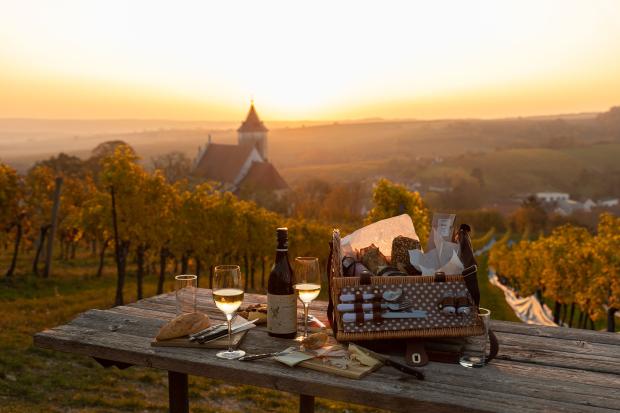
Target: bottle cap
[282,236]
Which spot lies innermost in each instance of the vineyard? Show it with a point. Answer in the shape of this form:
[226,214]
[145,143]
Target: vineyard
[571,267]
[112,203]
[165,227]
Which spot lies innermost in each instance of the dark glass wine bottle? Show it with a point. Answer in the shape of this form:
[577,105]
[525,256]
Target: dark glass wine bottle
[281,300]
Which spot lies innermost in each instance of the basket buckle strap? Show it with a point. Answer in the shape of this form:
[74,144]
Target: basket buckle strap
[365,277]
[377,317]
[359,317]
[440,277]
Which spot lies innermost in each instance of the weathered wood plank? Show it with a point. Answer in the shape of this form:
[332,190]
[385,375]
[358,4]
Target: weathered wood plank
[385,391]
[577,366]
[602,337]
[130,349]
[501,377]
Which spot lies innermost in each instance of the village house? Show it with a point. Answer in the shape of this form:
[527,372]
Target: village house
[241,166]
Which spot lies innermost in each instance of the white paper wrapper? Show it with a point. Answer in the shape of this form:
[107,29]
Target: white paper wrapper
[444,257]
[380,233]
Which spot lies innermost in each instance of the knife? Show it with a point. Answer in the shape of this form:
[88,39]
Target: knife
[250,357]
[388,361]
[221,333]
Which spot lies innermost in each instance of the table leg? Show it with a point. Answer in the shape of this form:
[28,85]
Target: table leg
[177,392]
[306,403]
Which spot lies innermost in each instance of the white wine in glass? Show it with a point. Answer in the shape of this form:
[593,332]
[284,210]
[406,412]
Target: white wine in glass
[228,300]
[307,283]
[307,292]
[228,296]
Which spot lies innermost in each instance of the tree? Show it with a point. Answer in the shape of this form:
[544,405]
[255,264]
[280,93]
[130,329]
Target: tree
[530,216]
[65,165]
[11,210]
[96,222]
[174,166]
[104,150]
[39,186]
[390,199]
[604,287]
[124,179]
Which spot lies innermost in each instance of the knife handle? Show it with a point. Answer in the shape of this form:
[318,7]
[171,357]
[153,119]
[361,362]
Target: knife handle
[405,369]
[251,357]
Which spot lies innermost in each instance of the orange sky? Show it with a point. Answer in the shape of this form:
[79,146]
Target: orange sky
[315,60]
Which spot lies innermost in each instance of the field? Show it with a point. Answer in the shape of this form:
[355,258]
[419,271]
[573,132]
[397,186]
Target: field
[506,172]
[34,380]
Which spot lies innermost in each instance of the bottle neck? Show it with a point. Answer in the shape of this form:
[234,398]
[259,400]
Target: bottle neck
[281,253]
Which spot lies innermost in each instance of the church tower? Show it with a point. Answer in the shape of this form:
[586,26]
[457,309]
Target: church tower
[253,132]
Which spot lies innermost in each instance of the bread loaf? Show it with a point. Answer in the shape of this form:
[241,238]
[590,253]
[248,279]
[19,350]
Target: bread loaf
[183,325]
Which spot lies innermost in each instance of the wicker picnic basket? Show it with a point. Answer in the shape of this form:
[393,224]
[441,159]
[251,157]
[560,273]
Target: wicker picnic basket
[424,291]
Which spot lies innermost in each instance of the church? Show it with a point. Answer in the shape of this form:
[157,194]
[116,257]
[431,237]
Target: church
[244,166]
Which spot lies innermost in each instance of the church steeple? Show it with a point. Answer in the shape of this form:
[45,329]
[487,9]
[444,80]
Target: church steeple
[252,131]
[252,122]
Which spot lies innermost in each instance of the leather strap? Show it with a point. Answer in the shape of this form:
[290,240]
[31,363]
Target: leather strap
[416,353]
[365,277]
[330,304]
[359,318]
[494,347]
[440,277]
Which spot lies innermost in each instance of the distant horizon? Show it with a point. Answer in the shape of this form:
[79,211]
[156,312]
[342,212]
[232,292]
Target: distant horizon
[320,61]
[323,121]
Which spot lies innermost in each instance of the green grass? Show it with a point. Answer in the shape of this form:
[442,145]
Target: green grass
[35,380]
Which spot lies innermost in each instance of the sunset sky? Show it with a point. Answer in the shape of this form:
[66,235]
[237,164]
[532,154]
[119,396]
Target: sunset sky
[201,60]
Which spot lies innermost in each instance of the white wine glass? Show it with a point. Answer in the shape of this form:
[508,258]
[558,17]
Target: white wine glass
[228,296]
[307,283]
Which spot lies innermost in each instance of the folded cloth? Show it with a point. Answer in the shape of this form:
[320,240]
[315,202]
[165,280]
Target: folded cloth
[293,358]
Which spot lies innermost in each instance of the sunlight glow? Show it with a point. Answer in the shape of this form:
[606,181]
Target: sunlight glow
[310,60]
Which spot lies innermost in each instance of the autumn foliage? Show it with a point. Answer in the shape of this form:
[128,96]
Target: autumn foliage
[570,266]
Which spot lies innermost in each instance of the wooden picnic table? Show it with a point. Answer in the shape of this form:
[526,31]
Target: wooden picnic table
[538,368]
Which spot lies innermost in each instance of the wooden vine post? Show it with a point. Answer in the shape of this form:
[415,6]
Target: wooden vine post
[52,231]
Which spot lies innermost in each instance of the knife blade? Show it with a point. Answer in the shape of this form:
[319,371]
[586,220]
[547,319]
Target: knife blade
[251,357]
[219,334]
[388,361]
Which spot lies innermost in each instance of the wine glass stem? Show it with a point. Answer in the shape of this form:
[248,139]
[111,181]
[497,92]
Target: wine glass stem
[229,321]
[306,306]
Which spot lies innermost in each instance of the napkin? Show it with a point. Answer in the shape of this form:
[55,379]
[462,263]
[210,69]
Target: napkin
[444,257]
[293,358]
[380,233]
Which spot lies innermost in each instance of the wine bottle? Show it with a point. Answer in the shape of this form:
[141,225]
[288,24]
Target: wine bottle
[281,301]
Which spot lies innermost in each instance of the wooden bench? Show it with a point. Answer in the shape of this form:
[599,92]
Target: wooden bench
[538,368]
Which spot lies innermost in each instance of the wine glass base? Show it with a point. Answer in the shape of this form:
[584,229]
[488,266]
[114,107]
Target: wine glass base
[231,355]
[471,362]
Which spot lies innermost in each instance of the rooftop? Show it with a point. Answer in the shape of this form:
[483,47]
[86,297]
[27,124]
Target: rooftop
[252,122]
[222,162]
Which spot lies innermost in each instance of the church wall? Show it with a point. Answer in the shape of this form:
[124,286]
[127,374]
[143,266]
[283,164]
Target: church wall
[253,157]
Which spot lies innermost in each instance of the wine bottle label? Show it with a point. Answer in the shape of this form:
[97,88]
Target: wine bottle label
[281,313]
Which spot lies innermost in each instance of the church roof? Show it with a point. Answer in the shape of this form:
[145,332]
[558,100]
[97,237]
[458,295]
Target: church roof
[265,176]
[252,122]
[222,163]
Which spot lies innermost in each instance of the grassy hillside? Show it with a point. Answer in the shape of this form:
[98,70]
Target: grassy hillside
[506,172]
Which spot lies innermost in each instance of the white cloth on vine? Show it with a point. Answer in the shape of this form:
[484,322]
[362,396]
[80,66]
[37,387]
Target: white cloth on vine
[528,309]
